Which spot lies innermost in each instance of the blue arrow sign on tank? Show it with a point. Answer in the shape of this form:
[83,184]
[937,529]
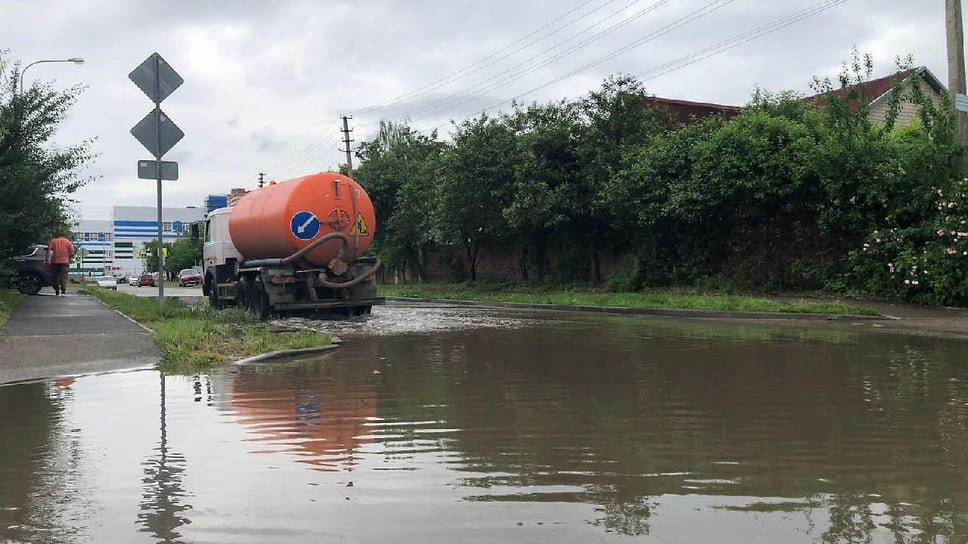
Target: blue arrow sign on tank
[304,225]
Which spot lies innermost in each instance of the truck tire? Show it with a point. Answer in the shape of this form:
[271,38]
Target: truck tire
[242,294]
[29,283]
[213,300]
[259,300]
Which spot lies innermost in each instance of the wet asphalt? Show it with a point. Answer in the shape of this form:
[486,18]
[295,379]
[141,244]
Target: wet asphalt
[48,336]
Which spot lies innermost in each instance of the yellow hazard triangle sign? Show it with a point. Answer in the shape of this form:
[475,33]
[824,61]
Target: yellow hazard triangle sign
[360,226]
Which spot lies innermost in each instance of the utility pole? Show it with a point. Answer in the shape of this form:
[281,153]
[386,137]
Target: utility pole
[262,177]
[346,140]
[956,67]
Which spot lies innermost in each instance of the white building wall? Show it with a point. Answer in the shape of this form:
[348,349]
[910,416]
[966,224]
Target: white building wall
[114,246]
[133,226]
[93,243]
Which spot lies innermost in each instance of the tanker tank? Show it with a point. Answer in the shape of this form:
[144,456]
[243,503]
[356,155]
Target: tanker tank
[283,218]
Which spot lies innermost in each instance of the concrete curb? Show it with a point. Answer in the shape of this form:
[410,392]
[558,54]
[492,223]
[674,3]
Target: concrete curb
[146,329]
[663,312]
[284,354]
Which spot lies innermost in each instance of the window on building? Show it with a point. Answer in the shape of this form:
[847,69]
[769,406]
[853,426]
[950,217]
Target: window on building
[166,226]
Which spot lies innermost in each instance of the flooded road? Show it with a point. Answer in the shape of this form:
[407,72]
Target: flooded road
[441,425]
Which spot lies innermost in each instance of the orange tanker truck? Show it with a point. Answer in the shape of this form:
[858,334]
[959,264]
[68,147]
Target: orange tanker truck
[294,245]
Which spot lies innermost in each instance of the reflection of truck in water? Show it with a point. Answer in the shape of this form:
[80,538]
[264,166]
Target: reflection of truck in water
[294,245]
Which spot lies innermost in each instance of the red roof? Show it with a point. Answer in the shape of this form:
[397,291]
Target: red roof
[685,111]
[876,88]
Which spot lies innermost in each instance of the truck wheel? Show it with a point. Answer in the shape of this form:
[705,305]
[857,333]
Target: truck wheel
[242,294]
[259,301]
[29,283]
[213,300]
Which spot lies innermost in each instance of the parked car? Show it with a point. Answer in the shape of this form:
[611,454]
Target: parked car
[33,273]
[189,276]
[107,282]
[145,280]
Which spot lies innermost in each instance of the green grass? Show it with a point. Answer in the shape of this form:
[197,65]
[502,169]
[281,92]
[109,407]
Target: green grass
[576,297]
[196,338]
[8,301]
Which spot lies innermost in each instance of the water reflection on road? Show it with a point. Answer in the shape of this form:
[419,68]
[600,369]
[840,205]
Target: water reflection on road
[459,425]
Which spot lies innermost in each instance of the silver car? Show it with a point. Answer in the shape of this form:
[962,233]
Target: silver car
[106,282]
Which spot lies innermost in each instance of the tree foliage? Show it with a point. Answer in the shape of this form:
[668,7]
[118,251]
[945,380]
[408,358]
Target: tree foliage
[783,195]
[36,177]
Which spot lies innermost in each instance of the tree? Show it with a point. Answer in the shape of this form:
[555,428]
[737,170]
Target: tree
[36,178]
[546,177]
[475,186]
[399,169]
[617,120]
[183,253]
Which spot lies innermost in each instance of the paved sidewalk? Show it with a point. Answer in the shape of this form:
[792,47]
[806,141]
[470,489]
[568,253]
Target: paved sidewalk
[48,336]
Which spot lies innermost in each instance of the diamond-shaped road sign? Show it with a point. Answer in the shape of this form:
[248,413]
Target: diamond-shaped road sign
[156,78]
[149,170]
[148,131]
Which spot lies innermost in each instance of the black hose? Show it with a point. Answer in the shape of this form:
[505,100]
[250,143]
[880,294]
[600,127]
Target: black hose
[357,280]
[316,243]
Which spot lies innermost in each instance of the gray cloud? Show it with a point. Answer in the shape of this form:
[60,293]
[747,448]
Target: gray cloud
[265,82]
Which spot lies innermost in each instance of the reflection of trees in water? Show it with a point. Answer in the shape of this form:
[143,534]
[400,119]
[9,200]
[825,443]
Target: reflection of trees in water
[625,515]
[879,421]
[162,501]
[851,519]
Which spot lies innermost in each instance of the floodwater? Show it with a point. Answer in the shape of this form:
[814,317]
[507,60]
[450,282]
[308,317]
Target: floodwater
[439,425]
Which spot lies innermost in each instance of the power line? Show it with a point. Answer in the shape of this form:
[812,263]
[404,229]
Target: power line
[306,151]
[537,63]
[487,61]
[686,60]
[741,39]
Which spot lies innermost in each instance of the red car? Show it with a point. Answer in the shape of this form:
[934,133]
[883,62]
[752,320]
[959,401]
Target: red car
[145,280]
[189,276]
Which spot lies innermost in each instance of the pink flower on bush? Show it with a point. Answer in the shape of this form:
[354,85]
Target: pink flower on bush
[940,232]
[950,251]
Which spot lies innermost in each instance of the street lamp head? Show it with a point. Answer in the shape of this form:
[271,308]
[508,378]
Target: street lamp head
[76,60]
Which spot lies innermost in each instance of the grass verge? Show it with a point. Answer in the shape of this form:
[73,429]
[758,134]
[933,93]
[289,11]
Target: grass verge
[196,338]
[575,297]
[8,301]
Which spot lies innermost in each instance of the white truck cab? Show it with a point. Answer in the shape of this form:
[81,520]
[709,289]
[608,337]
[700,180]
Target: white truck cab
[218,249]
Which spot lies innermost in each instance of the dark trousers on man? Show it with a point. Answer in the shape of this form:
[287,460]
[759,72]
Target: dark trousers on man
[60,278]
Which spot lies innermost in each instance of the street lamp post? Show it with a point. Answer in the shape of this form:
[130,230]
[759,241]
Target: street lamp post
[75,60]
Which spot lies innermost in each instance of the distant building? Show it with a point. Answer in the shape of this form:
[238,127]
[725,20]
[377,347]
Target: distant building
[877,94]
[115,246]
[214,202]
[235,195]
[686,112]
[93,241]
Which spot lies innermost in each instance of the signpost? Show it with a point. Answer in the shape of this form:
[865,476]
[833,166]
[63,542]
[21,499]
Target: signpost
[158,134]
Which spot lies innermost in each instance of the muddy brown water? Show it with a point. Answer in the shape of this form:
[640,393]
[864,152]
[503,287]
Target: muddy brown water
[440,425]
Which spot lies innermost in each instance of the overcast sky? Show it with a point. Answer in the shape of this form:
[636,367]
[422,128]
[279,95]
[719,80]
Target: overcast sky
[266,81]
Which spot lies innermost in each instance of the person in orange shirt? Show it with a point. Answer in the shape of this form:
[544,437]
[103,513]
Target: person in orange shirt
[59,253]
